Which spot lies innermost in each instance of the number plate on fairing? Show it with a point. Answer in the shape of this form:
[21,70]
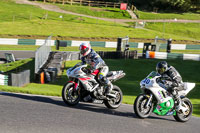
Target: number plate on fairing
[146,81]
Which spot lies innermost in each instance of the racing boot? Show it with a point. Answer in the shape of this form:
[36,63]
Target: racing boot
[177,100]
[108,88]
[178,104]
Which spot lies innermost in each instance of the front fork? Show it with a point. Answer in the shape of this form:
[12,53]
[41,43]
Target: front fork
[76,84]
[149,100]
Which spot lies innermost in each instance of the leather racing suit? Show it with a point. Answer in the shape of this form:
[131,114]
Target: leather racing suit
[173,83]
[96,62]
[173,79]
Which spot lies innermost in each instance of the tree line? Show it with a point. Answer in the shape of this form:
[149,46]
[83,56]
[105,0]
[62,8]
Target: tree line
[168,5]
[164,5]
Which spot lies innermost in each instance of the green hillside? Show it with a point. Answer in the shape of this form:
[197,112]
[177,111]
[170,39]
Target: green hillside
[27,20]
[102,12]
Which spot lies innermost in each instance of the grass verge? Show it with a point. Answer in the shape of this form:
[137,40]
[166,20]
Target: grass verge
[182,29]
[13,65]
[18,66]
[135,71]
[97,11]
[149,15]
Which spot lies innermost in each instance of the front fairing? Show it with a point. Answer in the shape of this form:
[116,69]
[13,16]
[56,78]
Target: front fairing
[151,84]
[76,71]
[150,80]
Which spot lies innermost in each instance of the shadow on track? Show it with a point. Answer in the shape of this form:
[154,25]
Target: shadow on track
[81,106]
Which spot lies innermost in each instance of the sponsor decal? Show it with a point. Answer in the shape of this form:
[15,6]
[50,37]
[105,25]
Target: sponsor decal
[88,78]
[160,95]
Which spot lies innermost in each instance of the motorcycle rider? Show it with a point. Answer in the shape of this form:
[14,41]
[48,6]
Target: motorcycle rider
[172,80]
[94,61]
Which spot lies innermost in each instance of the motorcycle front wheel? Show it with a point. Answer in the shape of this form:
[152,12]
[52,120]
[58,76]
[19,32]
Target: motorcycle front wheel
[184,117]
[114,103]
[69,96]
[139,106]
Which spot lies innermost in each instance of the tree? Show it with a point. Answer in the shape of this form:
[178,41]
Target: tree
[169,5]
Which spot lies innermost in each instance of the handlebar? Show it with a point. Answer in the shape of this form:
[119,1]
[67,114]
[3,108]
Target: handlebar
[85,70]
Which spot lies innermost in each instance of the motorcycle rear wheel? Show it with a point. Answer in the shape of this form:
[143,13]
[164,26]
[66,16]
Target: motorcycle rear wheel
[180,117]
[114,103]
[139,107]
[69,96]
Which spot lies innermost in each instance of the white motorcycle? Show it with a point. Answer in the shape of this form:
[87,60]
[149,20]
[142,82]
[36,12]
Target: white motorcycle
[86,87]
[155,98]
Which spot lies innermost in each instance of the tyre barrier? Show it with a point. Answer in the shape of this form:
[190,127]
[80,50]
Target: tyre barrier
[3,79]
[164,55]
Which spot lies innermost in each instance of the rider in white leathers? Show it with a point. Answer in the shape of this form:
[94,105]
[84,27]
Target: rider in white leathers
[94,61]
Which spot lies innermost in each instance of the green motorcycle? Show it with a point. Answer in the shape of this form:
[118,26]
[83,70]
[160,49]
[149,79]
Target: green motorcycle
[157,100]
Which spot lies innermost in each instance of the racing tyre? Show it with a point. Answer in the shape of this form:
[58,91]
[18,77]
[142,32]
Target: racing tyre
[69,96]
[139,106]
[114,103]
[183,117]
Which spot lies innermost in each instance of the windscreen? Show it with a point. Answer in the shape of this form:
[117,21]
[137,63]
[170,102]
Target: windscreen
[153,74]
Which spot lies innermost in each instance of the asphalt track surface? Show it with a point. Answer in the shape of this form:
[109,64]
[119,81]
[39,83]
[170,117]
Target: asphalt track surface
[20,113]
[18,54]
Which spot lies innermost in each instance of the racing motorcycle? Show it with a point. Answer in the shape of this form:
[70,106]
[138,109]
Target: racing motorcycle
[87,88]
[155,98]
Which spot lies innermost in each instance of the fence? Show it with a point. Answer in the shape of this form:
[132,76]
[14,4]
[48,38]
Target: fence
[104,54]
[42,54]
[118,55]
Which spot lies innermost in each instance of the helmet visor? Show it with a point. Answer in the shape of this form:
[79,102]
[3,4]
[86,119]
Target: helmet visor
[83,51]
[160,70]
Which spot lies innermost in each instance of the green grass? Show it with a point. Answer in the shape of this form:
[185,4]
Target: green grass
[89,30]
[97,11]
[135,71]
[18,66]
[29,20]
[19,47]
[33,88]
[22,12]
[149,15]
[192,30]
[13,65]
[72,29]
